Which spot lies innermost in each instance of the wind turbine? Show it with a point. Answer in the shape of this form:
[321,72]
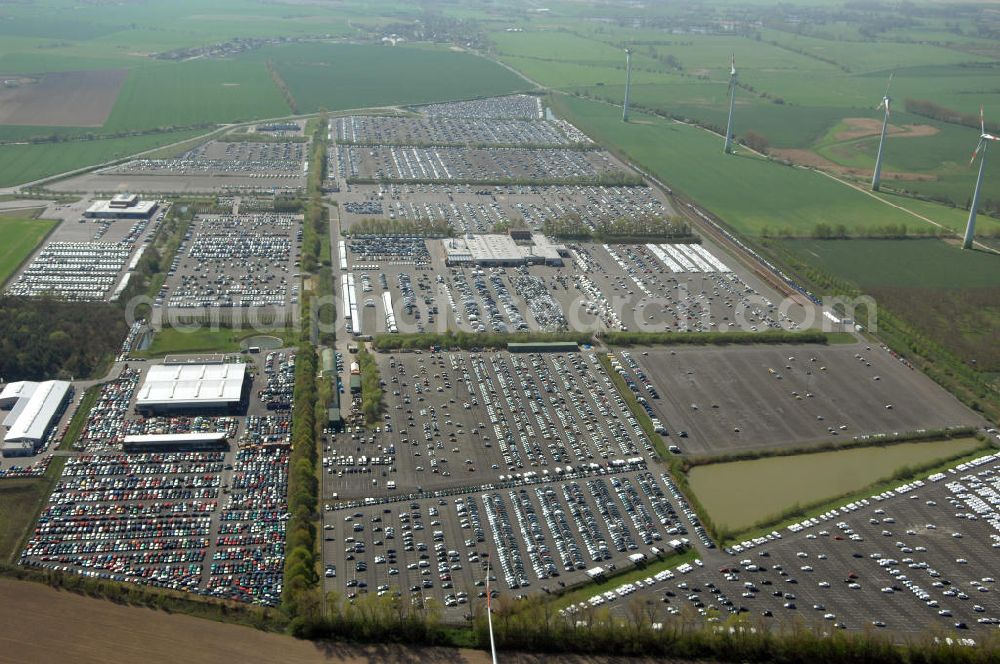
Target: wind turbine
[984,142]
[876,177]
[728,147]
[628,83]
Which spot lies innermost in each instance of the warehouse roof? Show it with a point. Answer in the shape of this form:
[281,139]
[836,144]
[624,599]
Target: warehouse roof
[37,413]
[192,383]
[146,439]
[14,391]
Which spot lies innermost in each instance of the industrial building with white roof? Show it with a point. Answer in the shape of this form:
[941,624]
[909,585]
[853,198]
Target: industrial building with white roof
[186,387]
[34,409]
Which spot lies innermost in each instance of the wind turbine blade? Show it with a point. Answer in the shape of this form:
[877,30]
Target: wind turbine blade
[889,84]
[982,121]
[732,66]
[886,107]
[975,152]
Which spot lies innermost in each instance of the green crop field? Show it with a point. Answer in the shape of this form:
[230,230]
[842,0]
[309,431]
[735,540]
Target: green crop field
[18,238]
[924,263]
[341,76]
[739,494]
[951,295]
[752,195]
[195,92]
[797,89]
[20,163]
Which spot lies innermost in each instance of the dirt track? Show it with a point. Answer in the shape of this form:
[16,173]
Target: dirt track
[46,625]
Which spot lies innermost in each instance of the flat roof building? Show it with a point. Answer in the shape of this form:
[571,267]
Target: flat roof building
[189,387]
[503,250]
[176,442]
[33,415]
[122,206]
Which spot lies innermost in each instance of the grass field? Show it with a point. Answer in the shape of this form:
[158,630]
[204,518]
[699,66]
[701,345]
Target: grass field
[339,76]
[223,340]
[752,195]
[20,163]
[741,493]
[20,500]
[18,238]
[194,92]
[924,263]
[953,296]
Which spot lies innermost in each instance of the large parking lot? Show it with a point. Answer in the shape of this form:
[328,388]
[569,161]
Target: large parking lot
[84,259]
[717,400]
[442,130]
[205,522]
[245,260]
[478,208]
[616,287]
[395,163]
[917,559]
[533,458]
[225,158]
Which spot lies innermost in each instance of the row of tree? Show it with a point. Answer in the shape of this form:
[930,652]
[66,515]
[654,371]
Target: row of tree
[572,226]
[371,387]
[471,340]
[407,227]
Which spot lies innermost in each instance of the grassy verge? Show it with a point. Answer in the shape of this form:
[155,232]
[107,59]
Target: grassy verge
[584,592]
[613,338]
[79,419]
[205,339]
[633,405]
[21,501]
[471,340]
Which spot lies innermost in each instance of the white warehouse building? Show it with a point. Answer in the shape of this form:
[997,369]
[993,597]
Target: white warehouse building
[193,387]
[35,409]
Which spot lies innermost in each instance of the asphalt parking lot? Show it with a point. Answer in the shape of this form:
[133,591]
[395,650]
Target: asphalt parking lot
[538,538]
[210,523]
[600,287]
[918,559]
[83,259]
[730,399]
[244,260]
[477,208]
[462,419]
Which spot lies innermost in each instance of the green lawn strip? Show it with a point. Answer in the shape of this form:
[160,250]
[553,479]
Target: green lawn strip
[21,502]
[79,419]
[613,338]
[18,239]
[633,405]
[630,574]
[205,339]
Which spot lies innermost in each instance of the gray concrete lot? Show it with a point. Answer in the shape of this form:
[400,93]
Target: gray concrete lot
[920,559]
[733,399]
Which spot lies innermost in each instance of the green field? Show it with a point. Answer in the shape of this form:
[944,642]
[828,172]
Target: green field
[195,92]
[20,163]
[753,195]
[203,340]
[739,494]
[797,88]
[18,238]
[951,295]
[924,263]
[341,76]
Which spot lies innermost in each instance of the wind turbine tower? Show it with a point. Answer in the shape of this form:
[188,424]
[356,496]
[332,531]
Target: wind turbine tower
[877,175]
[628,83]
[984,142]
[728,148]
